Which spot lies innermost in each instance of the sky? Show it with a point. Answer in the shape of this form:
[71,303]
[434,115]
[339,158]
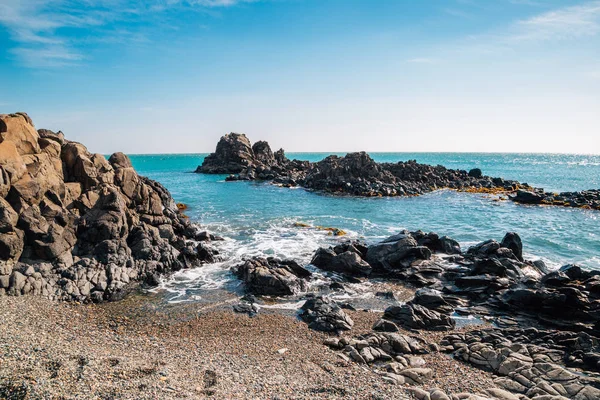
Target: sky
[173,76]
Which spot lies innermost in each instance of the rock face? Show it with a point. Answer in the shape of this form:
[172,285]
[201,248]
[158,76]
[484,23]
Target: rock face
[236,155]
[75,226]
[358,174]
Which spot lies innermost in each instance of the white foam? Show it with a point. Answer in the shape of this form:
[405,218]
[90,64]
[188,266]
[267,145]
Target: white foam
[278,238]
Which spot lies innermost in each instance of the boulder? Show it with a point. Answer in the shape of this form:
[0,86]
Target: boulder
[271,276]
[348,263]
[324,314]
[396,252]
[513,242]
[416,316]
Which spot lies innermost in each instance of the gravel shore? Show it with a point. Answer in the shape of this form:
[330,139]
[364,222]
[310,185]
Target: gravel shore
[136,349]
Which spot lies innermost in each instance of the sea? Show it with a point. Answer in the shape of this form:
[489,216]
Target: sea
[258,218]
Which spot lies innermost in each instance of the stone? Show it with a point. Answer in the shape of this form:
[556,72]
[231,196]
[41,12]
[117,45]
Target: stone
[418,317]
[270,276]
[394,254]
[348,262]
[324,314]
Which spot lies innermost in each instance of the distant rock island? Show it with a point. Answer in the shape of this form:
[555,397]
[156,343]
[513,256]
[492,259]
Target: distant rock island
[358,174]
[76,226]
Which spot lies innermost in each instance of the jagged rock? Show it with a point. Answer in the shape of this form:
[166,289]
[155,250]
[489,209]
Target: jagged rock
[528,359]
[271,276]
[233,155]
[324,314]
[358,174]
[87,228]
[528,197]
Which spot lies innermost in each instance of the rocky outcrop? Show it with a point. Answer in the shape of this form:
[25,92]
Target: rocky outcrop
[271,276]
[76,226]
[236,155]
[358,174]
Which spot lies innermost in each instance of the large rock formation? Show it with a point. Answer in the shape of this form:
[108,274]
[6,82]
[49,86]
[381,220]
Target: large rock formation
[76,226]
[358,174]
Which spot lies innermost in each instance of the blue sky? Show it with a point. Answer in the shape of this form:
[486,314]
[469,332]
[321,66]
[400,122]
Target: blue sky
[307,75]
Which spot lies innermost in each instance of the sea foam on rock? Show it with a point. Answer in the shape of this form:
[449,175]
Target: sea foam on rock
[76,226]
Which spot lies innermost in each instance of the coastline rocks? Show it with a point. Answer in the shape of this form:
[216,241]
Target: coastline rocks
[529,361]
[324,314]
[75,226]
[271,276]
[588,199]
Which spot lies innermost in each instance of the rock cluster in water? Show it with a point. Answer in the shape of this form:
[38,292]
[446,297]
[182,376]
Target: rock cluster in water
[76,226]
[359,175]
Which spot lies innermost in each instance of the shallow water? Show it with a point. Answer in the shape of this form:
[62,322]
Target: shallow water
[259,218]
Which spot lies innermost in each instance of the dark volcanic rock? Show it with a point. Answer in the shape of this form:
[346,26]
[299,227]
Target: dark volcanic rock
[354,174]
[75,226]
[272,277]
[324,314]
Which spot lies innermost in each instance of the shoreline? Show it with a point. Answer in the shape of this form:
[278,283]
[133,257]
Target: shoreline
[105,350]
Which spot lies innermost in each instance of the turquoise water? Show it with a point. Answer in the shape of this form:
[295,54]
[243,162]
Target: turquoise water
[258,218]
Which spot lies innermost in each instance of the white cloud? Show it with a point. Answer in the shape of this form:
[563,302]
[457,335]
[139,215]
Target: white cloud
[564,23]
[36,26]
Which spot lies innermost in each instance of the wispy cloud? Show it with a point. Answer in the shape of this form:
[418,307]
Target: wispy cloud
[564,23]
[37,26]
